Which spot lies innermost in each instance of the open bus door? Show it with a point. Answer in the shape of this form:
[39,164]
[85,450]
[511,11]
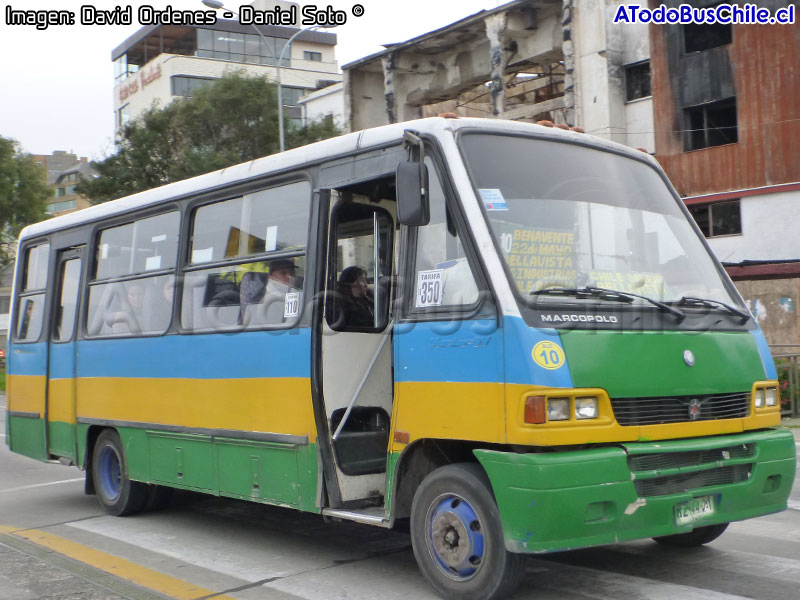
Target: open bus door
[356,350]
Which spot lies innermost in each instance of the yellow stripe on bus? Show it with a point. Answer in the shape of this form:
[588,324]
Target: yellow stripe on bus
[275,405]
[60,400]
[450,410]
[26,393]
[125,569]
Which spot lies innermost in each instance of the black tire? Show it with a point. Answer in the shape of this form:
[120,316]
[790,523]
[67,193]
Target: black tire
[118,495]
[696,537]
[457,536]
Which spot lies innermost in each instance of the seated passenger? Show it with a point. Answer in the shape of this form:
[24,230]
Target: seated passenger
[280,283]
[354,300]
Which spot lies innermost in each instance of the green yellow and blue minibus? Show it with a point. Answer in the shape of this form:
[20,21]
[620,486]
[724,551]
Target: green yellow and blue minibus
[510,338]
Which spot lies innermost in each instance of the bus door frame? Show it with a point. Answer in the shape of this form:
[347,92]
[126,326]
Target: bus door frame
[335,479]
[65,350]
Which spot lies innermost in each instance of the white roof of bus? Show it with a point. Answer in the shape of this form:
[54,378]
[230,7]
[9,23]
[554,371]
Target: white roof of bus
[297,158]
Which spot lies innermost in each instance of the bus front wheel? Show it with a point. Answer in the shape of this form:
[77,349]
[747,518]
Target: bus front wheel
[696,537]
[457,536]
[118,495]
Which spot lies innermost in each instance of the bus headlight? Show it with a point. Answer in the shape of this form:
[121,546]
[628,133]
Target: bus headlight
[760,398]
[558,409]
[586,408]
[771,396]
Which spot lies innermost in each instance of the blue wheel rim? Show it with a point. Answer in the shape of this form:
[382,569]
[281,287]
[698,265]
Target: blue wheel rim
[455,537]
[110,473]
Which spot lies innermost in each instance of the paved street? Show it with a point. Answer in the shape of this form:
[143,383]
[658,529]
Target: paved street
[55,544]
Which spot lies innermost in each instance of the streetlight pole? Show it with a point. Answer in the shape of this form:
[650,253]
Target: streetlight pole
[217,4]
[280,60]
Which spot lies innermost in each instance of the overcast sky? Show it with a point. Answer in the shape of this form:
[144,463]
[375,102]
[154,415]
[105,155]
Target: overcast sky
[56,85]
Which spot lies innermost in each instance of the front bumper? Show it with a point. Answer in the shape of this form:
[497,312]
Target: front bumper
[573,499]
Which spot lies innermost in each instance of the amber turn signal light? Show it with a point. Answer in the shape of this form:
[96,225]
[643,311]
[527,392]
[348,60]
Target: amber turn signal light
[535,409]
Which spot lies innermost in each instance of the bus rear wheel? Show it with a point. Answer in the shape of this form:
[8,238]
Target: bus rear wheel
[696,537]
[118,495]
[457,536]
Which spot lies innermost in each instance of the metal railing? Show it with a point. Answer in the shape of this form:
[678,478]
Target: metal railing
[787,362]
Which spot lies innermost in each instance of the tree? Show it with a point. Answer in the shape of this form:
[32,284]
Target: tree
[23,195]
[232,120]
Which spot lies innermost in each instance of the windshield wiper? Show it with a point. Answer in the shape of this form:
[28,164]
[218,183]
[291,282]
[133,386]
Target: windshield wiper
[708,302]
[606,294]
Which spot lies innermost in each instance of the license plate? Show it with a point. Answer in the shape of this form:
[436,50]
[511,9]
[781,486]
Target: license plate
[694,510]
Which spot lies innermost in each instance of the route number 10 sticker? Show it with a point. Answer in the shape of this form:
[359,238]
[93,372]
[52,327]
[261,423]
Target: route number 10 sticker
[548,355]
[429,288]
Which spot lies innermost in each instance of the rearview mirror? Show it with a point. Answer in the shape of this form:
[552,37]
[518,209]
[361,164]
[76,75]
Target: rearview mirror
[412,194]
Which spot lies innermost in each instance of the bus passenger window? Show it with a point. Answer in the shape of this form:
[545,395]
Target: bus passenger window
[30,308]
[149,244]
[36,267]
[30,318]
[442,274]
[134,307]
[141,303]
[258,292]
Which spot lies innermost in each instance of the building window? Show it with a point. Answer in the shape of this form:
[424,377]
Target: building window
[187,86]
[637,81]
[60,192]
[706,36]
[291,95]
[123,116]
[59,206]
[712,124]
[5,304]
[241,47]
[315,56]
[720,218]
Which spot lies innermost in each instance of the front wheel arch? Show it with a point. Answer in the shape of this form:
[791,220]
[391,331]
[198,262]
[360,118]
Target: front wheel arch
[457,535]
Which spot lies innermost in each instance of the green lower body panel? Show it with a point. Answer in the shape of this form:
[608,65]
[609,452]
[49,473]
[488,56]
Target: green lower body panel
[26,437]
[61,438]
[266,472]
[565,500]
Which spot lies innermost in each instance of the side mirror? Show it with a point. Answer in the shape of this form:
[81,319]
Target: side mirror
[413,207]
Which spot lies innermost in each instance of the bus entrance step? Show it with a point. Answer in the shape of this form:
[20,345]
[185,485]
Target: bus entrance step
[374,515]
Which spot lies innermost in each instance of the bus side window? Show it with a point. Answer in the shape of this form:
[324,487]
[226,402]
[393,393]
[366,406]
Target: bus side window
[442,274]
[260,239]
[139,258]
[30,313]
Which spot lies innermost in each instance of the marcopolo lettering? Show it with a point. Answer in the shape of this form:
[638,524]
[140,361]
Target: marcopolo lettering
[567,318]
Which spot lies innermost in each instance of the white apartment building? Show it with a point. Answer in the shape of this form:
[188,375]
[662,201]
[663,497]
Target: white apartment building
[159,63]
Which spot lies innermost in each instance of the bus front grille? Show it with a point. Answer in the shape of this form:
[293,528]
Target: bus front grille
[680,409]
[685,482]
[693,458]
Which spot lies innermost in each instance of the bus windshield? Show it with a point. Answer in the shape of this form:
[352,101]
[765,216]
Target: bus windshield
[570,217]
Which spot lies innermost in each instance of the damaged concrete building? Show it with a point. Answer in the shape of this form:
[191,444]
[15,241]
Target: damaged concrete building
[529,60]
[726,100]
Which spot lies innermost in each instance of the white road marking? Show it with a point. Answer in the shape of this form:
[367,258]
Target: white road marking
[38,485]
[794,504]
